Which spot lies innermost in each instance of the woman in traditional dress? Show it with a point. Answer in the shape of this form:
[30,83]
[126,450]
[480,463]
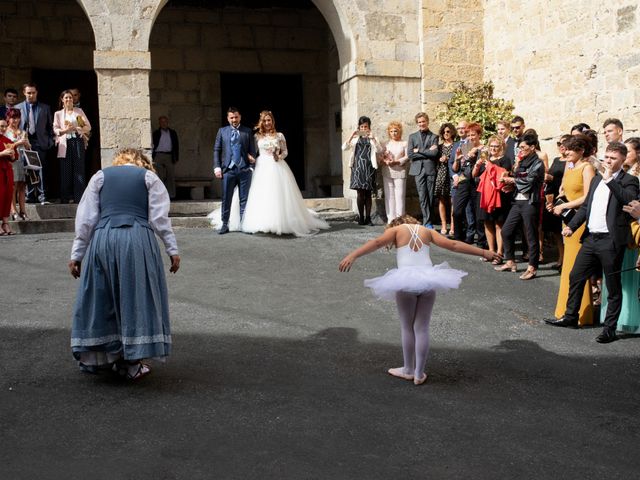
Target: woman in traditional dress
[121,314]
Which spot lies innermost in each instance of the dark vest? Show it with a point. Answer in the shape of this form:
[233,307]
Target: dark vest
[124,199]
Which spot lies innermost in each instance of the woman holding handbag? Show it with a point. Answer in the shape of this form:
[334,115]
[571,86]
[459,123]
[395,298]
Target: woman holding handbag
[71,127]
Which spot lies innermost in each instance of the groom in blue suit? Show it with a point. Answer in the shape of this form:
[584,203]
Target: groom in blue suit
[234,154]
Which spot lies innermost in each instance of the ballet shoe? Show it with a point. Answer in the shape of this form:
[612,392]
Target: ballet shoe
[399,372]
[420,381]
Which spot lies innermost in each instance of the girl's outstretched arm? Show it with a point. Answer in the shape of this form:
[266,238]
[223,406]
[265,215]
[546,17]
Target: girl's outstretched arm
[461,247]
[387,238]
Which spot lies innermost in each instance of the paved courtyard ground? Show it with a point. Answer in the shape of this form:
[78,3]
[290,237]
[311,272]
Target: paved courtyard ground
[278,372]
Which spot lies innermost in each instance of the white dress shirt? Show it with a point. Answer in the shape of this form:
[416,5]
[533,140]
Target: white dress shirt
[164,143]
[598,216]
[88,214]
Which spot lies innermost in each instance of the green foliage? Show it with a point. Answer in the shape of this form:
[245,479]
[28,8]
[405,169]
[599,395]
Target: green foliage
[475,103]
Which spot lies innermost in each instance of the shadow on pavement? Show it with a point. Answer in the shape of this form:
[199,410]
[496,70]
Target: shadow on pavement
[321,407]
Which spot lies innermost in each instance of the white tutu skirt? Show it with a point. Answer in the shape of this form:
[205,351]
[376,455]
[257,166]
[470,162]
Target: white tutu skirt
[415,279]
[274,205]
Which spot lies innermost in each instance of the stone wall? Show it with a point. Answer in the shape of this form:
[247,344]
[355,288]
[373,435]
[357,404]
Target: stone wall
[452,48]
[564,63]
[47,34]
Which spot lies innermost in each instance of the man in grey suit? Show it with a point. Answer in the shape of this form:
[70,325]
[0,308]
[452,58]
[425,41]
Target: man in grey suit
[234,154]
[36,120]
[424,154]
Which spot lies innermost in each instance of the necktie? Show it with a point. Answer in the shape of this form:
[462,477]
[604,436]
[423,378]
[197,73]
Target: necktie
[235,147]
[32,120]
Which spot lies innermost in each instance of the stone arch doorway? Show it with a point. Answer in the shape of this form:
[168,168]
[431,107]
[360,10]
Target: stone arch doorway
[51,43]
[195,45]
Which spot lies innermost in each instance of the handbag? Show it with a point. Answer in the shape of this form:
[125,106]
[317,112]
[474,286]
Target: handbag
[635,238]
[567,214]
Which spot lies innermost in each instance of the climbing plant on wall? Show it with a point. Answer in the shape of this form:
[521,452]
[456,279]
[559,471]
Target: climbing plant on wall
[476,103]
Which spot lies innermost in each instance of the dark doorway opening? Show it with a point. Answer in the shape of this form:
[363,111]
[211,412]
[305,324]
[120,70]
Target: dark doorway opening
[51,83]
[282,95]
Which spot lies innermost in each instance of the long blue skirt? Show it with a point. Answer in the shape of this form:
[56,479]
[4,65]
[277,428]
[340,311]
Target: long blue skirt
[121,309]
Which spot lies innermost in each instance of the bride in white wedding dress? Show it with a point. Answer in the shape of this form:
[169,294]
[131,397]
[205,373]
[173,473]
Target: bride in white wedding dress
[275,204]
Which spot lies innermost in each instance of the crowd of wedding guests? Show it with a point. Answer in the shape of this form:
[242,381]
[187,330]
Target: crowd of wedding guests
[492,192]
[28,130]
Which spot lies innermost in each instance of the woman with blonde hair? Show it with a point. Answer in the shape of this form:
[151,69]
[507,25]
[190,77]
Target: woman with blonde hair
[494,202]
[413,285]
[395,162]
[121,313]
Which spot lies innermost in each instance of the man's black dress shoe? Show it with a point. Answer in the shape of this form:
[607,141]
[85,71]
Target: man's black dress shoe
[223,229]
[607,336]
[561,322]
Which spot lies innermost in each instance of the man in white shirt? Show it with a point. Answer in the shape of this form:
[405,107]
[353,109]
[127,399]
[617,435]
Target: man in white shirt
[604,240]
[166,153]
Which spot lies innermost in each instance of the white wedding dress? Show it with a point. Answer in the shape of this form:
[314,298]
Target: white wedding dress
[275,204]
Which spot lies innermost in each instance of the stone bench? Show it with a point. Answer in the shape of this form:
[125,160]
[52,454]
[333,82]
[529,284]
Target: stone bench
[323,183]
[198,185]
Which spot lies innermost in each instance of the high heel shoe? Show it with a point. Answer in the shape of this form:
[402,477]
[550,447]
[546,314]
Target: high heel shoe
[14,216]
[24,216]
[529,274]
[507,268]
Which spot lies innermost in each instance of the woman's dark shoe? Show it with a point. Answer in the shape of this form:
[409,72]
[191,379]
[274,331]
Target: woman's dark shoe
[24,216]
[367,221]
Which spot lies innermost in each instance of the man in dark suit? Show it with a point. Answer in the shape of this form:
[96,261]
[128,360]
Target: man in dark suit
[234,154]
[503,128]
[423,152]
[166,153]
[36,119]
[604,240]
[10,100]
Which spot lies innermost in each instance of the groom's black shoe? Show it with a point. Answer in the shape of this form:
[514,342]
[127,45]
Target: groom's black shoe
[607,336]
[223,229]
[561,322]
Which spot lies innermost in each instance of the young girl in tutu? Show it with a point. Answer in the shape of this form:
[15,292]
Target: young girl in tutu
[413,285]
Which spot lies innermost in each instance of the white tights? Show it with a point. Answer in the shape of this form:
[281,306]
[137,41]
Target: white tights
[415,315]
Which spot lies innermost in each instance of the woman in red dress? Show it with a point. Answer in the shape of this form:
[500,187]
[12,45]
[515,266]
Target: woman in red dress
[7,156]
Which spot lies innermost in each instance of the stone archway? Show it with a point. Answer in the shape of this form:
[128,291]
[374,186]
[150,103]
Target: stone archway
[196,49]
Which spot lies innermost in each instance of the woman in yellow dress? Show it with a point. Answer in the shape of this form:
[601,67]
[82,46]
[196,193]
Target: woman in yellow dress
[575,186]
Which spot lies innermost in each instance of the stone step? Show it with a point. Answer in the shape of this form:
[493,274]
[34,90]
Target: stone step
[54,218]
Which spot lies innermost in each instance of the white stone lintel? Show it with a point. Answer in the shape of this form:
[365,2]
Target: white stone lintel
[121,60]
[379,68]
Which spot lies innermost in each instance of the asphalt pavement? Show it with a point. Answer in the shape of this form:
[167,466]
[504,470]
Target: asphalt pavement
[278,372]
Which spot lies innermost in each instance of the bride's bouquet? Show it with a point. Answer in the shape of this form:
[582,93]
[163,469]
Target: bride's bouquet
[272,146]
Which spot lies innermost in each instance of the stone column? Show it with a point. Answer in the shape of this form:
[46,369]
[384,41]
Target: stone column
[123,88]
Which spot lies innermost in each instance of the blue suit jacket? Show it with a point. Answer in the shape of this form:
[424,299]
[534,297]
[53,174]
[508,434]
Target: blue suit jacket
[44,123]
[222,147]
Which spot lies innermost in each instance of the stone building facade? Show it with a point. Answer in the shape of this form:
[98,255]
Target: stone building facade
[387,60]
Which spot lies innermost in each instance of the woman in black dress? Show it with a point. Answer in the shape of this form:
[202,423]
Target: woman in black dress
[551,223]
[442,190]
[363,165]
